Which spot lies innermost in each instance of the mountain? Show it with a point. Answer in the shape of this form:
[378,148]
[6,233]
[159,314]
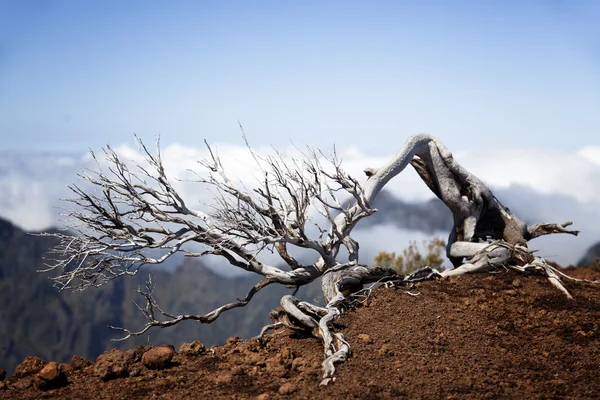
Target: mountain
[429,216]
[591,256]
[39,320]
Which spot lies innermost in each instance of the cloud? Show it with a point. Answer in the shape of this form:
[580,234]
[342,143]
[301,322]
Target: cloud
[573,174]
[546,171]
[26,204]
[31,186]
[535,207]
[590,153]
[539,185]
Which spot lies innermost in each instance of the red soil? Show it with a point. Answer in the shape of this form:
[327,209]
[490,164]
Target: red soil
[477,336]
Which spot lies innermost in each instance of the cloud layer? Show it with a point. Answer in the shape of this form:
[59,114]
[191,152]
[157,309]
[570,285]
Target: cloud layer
[539,185]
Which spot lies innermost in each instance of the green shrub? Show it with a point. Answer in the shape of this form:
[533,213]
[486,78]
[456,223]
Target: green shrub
[413,257]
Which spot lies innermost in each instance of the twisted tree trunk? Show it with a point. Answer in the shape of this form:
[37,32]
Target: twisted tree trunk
[486,235]
[133,215]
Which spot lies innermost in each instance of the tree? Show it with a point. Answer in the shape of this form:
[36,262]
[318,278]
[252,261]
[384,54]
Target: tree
[135,217]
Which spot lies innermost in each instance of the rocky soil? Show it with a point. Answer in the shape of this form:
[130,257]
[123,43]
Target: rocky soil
[480,336]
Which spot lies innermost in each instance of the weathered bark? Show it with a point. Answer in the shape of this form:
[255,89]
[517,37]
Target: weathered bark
[486,234]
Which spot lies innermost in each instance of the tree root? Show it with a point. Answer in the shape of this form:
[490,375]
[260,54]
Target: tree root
[134,214]
[303,316]
[485,257]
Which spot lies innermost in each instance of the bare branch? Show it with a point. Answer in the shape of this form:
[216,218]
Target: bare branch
[124,218]
[547,229]
[152,306]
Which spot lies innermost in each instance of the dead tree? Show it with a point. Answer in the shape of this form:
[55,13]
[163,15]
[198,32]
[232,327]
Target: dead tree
[133,217]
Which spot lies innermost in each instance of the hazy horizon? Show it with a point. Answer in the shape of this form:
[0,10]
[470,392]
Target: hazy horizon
[540,186]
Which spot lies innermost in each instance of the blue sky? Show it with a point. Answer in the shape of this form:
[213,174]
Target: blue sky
[477,74]
[511,87]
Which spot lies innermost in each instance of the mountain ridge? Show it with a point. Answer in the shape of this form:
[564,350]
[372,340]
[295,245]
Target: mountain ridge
[40,320]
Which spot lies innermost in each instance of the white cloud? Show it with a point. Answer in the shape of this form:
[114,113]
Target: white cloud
[25,203]
[591,153]
[572,174]
[31,185]
[547,185]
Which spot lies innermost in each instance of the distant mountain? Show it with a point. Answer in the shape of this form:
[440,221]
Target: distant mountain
[429,216]
[39,320]
[591,256]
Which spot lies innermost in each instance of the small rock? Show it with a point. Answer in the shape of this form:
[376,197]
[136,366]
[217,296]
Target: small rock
[66,367]
[135,369]
[287,388]
[23,384]
[167,381]
[237,370]
[135,355]
[273,366]
[3,385]
[264,396]
[298,364]
[31,365]
[517,283]
[255,359]
[158,357]
[111,365]
[80,362]
[232,340]
[2,374]
[365,338]
[386,350]
[192,349]
[51,376]
[254,372]
[224,378]
[440,340]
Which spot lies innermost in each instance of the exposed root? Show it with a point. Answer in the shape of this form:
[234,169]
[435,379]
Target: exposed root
[266,329]
[562,274]
[422,274]
[539,267]
[302,316]
[483,257]
[306,317]
[338,357]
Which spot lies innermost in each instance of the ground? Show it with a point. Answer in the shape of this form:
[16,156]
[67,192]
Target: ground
[478,336]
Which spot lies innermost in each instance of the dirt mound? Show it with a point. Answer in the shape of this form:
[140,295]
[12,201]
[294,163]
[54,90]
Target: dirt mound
[495,336]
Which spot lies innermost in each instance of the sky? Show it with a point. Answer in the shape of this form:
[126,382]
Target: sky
[512,88]
[477,74]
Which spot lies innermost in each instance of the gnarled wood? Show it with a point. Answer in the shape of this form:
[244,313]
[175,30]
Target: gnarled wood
[134,214]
